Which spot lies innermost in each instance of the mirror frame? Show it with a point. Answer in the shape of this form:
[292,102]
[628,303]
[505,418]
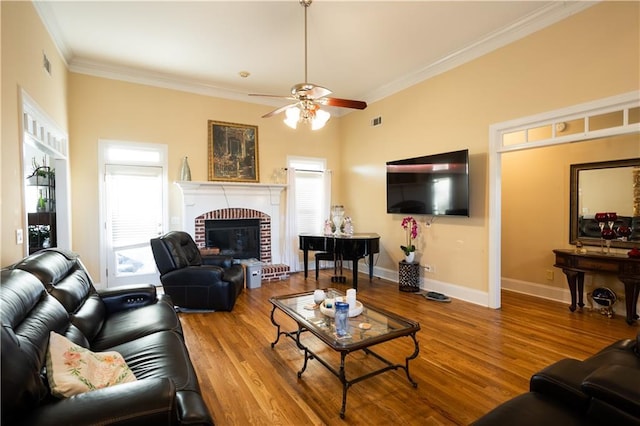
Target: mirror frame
[573,208]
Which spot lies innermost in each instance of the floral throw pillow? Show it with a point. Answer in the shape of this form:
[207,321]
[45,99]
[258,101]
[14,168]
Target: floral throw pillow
[72,369]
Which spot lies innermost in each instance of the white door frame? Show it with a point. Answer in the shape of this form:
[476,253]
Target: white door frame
[103,145]
[43,133]
[497,147]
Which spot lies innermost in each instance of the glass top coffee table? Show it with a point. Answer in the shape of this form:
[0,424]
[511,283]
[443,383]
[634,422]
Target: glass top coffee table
[371,327]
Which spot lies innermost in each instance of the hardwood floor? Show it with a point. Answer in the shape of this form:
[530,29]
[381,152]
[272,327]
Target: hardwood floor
[471,358]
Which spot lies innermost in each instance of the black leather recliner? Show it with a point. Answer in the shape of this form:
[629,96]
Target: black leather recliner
[213,284]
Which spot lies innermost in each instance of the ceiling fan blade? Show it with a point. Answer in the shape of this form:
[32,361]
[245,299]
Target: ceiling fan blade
[278,110]
[343,103]
[318,92]
[273,96]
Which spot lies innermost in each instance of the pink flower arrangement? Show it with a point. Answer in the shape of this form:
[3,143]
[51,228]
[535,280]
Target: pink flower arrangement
[410,226]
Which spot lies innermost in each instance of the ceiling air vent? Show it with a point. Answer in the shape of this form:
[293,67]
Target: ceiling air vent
[377,121]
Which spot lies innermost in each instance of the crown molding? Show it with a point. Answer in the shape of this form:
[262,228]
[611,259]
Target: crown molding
[536,21]
[44,11]
[542,18]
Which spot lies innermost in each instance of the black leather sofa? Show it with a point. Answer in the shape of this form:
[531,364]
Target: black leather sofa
[603,390]
[193,282]
[52,291]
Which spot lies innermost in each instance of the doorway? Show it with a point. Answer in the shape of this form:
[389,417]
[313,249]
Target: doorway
[545,130]
[133,199]
[46,193]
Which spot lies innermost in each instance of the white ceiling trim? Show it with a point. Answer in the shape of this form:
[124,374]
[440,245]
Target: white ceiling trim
[44,10]
[542,18]
[536,21]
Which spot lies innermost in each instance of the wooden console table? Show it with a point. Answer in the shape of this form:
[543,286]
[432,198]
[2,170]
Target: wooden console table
[574,265]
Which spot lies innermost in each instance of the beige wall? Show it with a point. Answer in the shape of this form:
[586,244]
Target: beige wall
[591,55]
[115,110]
[588,56]
[535,204]
[24,39]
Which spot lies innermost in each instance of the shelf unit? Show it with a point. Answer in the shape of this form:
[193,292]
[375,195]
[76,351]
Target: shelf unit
[42,232]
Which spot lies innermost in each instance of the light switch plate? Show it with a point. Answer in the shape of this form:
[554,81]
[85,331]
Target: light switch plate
[19,236]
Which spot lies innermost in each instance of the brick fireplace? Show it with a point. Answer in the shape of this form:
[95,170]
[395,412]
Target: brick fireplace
[233,214]
[230,200]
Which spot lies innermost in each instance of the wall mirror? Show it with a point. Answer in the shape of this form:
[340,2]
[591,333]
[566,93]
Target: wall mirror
[605,187]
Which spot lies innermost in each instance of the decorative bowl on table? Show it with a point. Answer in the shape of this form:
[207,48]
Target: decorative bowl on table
[331,312]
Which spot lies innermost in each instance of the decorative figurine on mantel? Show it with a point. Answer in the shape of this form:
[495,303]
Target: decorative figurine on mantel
[185,170]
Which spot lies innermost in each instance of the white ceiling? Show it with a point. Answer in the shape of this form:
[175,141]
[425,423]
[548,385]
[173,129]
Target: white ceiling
[362,50]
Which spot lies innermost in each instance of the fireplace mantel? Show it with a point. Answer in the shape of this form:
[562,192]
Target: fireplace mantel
[234,187]
[200,197]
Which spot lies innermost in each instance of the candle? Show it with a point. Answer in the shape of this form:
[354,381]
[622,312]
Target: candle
[351,297]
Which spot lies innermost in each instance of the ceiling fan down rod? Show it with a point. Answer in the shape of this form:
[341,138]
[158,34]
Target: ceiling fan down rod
[306,4]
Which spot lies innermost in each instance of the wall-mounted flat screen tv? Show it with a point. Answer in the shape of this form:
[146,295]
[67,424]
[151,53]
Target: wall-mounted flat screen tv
[435,185]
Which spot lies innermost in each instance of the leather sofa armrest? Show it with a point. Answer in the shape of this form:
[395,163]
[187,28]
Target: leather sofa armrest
[618,387]
[143,402]
[220,260]
[193,275]
[128,296]
[621,345]
[562,381]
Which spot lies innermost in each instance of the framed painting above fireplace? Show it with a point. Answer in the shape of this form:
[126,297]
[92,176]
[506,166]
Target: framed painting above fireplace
[233,152]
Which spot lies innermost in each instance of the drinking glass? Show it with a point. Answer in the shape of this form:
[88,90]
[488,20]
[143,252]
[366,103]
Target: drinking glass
[608,235]
[624,232]
[601,218]
[611,219]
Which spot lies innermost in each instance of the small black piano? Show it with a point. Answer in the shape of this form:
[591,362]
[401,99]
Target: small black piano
[346,247]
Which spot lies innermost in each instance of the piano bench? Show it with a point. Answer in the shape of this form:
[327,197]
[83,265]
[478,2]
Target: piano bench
[322,255]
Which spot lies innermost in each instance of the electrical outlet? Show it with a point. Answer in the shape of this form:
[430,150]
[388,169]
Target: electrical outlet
[429,268]
[19,236]
[549,274]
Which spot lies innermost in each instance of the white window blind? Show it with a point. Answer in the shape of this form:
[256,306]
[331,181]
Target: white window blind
[135,203]
[309,201]
[310,194]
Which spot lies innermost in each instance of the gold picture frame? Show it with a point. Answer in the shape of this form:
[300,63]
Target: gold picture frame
[233,152]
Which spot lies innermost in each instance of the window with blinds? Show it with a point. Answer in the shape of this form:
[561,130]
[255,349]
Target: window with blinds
[310,194]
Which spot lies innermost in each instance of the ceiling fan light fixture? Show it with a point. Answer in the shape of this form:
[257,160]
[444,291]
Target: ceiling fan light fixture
[292,117]
[320,119]
[309,97]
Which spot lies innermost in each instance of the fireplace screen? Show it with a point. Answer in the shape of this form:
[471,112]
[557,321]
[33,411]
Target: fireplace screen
[239,238]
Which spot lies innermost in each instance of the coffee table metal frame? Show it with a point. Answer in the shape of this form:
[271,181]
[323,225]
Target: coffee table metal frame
[385,326]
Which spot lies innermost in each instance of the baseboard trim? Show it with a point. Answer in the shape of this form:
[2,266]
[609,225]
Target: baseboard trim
[452,290]
[479,297]
[538,290]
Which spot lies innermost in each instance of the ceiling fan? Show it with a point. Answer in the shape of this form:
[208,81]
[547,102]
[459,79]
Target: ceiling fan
[309,97]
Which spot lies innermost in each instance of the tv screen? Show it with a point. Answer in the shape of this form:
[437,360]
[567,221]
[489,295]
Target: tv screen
[435,185]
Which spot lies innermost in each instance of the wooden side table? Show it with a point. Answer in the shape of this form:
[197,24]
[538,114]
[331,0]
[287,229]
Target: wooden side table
[409,276]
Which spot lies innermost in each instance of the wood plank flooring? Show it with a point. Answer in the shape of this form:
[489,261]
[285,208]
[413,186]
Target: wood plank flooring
[471,358]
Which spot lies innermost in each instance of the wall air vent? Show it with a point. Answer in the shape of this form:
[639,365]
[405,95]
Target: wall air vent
[377,121]
[46,64]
